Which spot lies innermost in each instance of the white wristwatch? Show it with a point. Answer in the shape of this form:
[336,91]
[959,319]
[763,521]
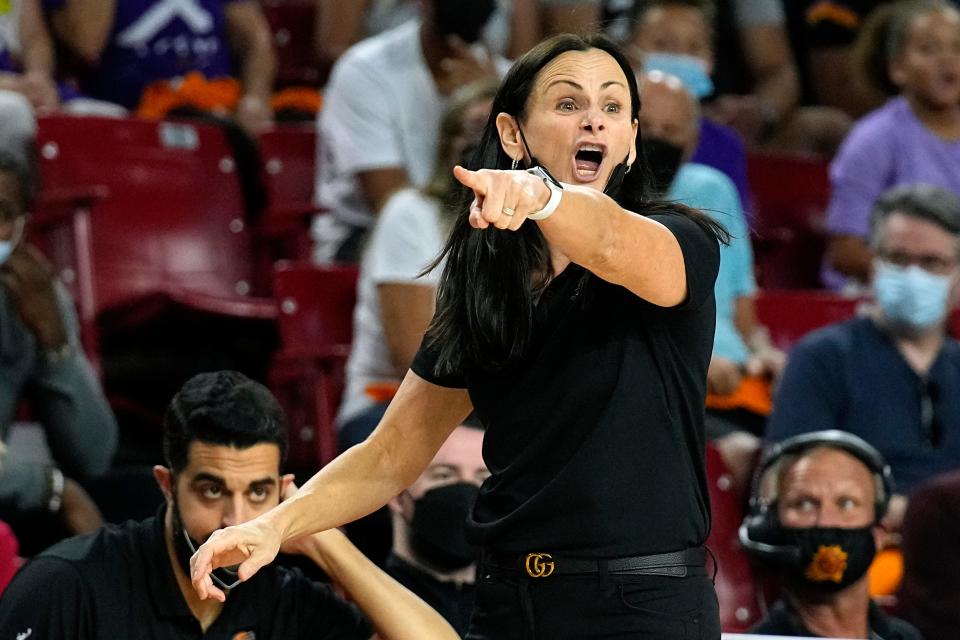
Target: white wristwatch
[556,191]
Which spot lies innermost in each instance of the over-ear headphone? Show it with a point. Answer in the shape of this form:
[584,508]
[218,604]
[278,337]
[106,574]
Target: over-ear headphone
[759,531]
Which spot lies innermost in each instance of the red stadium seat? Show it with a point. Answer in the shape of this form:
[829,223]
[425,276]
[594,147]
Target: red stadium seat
[292,24]
[288,158]
[791,314]
[789,195]
[171,226]
[735,583]
[316,328]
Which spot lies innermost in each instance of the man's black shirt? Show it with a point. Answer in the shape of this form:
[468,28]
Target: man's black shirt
[451,600]
[595,441]
[782,621]
[118,583]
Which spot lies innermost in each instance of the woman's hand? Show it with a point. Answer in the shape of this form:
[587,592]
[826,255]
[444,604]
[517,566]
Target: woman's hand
[503,199]
[252,545]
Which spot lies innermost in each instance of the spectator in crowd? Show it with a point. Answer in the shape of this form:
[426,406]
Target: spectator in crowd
[26,74]
[224,442]
[829,39]
[378,130]
[891,377]
[931,558]
[515,26]
[815,518]
[431,555]
[152,55]
[676,37]
[752,35]
[41,362]
[744,362]
[394,297]
[913,138]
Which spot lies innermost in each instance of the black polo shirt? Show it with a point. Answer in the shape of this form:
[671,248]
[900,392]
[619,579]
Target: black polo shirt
[595,441]
[452,600]
[782,621]
[118,583]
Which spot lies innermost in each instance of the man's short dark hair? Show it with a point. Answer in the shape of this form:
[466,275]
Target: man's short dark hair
[221,408]
[923,201]
[22,173]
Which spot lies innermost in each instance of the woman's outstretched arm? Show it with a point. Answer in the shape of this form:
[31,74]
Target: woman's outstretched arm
[589,228]
[356,483]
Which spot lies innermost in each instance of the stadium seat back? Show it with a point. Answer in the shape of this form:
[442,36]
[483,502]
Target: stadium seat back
[790,195]
[174,217]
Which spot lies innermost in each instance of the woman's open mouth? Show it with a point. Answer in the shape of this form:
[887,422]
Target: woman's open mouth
[587,161]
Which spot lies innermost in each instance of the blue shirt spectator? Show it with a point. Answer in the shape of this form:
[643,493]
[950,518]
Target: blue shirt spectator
[708,189]
[850,376]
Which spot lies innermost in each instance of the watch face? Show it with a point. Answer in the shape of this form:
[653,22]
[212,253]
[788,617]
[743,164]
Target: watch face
[543,173]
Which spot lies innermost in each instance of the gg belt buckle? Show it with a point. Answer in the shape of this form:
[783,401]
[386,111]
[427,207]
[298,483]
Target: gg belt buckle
[539,565]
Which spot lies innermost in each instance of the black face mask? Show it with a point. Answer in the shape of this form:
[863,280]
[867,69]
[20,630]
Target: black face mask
[437,534]
[614,182]
[184,546]
[462,19]
[830,559]
[664,159]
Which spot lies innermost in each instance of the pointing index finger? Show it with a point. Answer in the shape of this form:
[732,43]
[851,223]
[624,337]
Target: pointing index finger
[470,179]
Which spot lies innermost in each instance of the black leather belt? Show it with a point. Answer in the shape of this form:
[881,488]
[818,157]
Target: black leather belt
[544,565]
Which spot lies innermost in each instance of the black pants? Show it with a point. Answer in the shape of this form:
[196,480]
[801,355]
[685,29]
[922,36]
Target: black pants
[512,606]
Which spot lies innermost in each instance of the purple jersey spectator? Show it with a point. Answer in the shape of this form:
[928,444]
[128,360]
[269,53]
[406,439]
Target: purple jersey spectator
[721,148]
[6,27]
[887,147]
[155,40]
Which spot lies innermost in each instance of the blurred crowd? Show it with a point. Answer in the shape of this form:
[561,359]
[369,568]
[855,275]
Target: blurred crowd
[855,416]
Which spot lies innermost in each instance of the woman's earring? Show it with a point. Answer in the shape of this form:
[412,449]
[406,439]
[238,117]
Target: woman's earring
[514,164]
[629,166]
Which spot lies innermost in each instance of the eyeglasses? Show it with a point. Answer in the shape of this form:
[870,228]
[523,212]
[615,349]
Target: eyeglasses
[931,428]
[929,262]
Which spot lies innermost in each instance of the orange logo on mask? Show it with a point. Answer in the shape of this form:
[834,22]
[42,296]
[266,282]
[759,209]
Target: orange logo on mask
[828,563]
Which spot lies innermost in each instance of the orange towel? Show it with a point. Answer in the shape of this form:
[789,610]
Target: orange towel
[302,99]
[381,392]
[754,394]
[885,573]
[219,95]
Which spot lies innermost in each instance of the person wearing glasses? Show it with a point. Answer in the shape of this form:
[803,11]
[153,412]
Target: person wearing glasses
[892,376]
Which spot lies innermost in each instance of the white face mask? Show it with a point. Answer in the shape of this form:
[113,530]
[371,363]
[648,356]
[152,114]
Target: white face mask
[7,246]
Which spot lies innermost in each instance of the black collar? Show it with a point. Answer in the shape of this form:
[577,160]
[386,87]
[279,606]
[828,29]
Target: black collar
[240,610]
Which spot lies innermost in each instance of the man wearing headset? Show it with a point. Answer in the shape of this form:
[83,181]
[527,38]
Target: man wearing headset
[818,499]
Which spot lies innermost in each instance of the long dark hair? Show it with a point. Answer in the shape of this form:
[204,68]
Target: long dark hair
[491,278]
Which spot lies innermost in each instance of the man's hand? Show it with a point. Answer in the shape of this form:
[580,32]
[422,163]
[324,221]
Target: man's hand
[723,376]
[41,91]
[77,510]
[28,278]
[767,362]
[253,114]
[463,66]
